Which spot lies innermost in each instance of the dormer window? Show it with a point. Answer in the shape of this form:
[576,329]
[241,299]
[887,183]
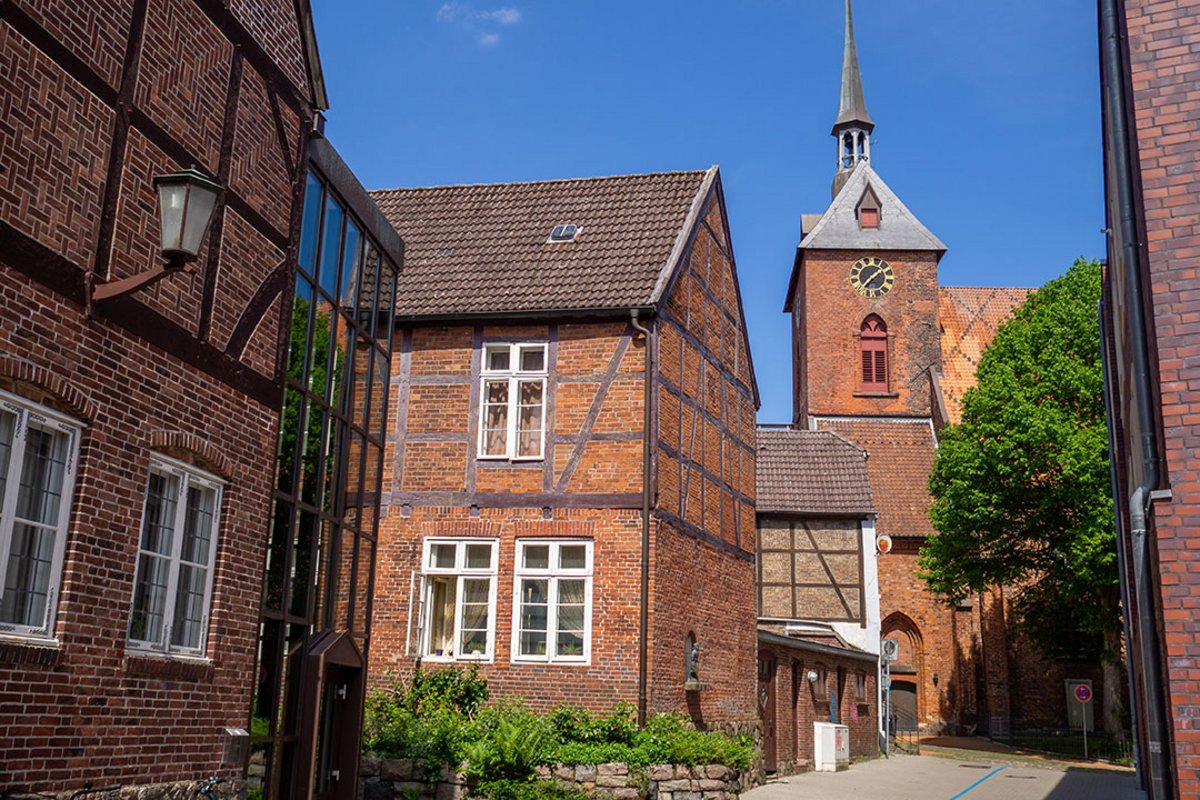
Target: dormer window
[867,211]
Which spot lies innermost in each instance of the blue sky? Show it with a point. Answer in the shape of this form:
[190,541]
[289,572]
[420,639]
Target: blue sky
[987,117]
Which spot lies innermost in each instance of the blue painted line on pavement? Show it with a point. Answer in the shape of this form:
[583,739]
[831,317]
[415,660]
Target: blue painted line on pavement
[976,783]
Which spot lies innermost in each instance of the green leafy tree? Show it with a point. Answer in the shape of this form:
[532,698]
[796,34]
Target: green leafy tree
[1021,491]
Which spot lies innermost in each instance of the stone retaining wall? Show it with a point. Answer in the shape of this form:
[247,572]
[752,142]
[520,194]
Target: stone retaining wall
[405,779]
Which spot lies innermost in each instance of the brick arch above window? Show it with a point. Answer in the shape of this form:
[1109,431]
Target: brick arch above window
[192,449]
[43,386]
[873,347]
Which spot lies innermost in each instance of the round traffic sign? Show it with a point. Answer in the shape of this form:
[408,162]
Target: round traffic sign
[1083,693]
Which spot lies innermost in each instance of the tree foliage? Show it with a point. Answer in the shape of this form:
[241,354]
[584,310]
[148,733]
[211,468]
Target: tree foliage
[1021,492]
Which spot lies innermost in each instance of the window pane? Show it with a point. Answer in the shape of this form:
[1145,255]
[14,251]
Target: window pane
[149,599]
[27,577]
[40,492]
[350,256]
[572,556]
[331,246]
[570,644]
[537,556]
[497,359]
[495,418]
[474,643]
[533,643]
[308,227]
[477,590]
[534,591]
[197,527]
[479,556]
[187,627]
[441,556]
[158,522]
[570,618]
[533,359]
[533,617]
[530,418]
[571,591]
[440,624]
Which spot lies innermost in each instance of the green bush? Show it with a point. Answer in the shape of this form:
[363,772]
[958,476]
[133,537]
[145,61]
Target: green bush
[439,717]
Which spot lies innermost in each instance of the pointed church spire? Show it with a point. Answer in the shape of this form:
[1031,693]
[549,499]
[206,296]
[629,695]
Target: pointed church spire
[853,125]
[852,106]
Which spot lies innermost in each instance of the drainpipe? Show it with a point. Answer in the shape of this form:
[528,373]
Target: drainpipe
[644,617]
[1127,606]
[1159,784]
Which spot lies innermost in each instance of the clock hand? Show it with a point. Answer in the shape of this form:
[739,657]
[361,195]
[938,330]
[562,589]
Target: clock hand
[869,280]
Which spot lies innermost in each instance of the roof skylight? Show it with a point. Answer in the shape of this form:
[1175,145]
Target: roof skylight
[565,233]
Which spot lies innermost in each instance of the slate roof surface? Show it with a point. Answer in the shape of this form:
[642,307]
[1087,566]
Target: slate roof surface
[899,459]
[899,229]
[969,317]
[811,472]
[482,248]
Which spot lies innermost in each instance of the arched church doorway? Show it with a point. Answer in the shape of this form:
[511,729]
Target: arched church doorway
[908,671]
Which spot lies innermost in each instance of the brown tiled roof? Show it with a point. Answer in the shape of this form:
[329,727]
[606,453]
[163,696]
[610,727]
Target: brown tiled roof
[811,472]
[899,458]
[969,318]
[483,248]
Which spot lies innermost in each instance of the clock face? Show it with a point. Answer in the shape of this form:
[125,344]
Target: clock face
[872,277]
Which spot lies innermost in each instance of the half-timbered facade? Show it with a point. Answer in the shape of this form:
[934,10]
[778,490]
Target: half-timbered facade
[572,517]
[140,405]
[818,595]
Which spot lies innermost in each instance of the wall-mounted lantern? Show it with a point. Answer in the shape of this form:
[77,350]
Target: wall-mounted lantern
[186,201]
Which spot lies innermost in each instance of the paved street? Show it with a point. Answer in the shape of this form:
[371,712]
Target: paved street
[930,778]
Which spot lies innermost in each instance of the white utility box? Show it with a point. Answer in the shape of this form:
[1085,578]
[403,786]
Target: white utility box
[831,747]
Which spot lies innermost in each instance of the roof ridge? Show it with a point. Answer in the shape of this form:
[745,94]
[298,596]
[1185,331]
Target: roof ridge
[993,288]
[544,181]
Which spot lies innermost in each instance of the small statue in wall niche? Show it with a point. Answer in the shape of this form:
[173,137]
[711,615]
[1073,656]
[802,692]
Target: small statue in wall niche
[693,660]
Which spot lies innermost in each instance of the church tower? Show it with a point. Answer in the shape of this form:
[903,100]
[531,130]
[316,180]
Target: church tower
[863,292]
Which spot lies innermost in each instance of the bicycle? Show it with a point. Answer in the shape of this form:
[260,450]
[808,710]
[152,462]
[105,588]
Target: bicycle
[208,788]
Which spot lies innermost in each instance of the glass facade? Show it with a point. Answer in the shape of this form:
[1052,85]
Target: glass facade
[314,632]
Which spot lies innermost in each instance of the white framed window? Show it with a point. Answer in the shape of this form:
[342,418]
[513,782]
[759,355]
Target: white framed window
[39,449]
[172,587]
[552,607]
[458,591]
[512,419]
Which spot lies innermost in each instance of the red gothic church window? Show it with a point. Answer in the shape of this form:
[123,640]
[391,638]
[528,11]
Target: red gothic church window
[874,346]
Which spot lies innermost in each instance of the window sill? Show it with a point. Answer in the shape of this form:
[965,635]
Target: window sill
[557,662]
[29,651]
[876,394]
[168,666]
[458,659]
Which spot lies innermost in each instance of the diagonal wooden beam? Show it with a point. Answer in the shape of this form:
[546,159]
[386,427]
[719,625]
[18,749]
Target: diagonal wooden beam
[593,414]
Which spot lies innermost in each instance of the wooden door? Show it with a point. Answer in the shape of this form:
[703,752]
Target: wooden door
[766,710]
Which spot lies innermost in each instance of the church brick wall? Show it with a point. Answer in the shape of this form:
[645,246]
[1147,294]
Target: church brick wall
[831,314]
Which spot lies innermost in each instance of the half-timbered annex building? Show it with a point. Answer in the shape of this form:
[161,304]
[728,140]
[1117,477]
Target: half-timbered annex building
[141,403]
[569,491]
[818,595]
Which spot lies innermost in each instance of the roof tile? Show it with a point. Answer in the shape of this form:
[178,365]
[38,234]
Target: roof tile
[899,459]
[970,317]
[483,248]
[811,472]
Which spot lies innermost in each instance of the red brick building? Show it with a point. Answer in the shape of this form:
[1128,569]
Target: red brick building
[818,595]
[570,483]
[140,403]
[882,356]
[1151,93]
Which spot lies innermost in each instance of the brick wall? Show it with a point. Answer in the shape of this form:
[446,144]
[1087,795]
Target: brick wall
[827,333]
[159,371]
[1166,98]
[800,702]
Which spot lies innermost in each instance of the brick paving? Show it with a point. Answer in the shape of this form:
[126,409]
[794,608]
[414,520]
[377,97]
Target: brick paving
[925,778]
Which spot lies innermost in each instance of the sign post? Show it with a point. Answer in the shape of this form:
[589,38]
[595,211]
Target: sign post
[1083,693]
